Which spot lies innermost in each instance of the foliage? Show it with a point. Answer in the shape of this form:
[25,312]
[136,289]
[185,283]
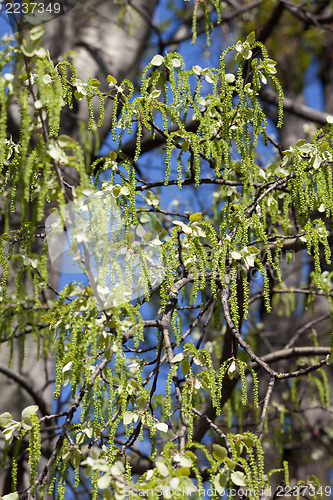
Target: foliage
[131,378]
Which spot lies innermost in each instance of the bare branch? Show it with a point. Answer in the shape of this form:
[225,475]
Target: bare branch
[265,407]
[291,106]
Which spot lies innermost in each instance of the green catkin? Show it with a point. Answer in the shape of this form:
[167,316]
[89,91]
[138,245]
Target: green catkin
[326,389]
[234,308]
[246,293]
[168,401]
[25,121]
[55,468]
[194,22]
[50,93]
[67,91]
[3,264]
[3,123]
[243,381]
[34,450]
[267,298]
[15,462]
[286,472]
[176,324]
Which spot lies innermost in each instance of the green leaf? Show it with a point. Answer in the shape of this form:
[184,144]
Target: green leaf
[116,191]
[185,146]
[185,228]
[111,80]
[232,370]
[306,148]
[129,417]
[219,452]
[199,359]
[28,52]
[184,471]
[40,52]
[36,33]
[197,70]
[262,78]
[185,366]
[11,496]
[65,141]
[157,60]
[239,447]
[230,78]
[209,77]
[248,441]
[125,191]
[162,427]
[192,456]
[47,79]
[239,46]
[220,483]
[88,191]
[162,469]
[238,478]
[118,468]
[253,250]
[27,424]
[316,162]
[183,460]
[95,83]
[5,419]
[178,358]
[28,411]
[38,104]
[78,95]
[107,494]
[323,147]
[251,38]
[80,437]
[75,458]
[249,261]
[104,481]
[155,94]
[9,431]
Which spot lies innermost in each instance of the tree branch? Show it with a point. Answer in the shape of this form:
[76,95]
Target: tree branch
[24,383]
[291,106]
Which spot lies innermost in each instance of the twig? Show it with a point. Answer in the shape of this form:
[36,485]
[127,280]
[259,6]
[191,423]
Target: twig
[215,428]
[270,387]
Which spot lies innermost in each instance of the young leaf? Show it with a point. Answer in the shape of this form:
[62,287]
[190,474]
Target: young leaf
[238,478]
[219,452]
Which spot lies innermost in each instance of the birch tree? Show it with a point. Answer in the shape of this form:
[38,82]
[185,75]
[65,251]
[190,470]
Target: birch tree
[167,381]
